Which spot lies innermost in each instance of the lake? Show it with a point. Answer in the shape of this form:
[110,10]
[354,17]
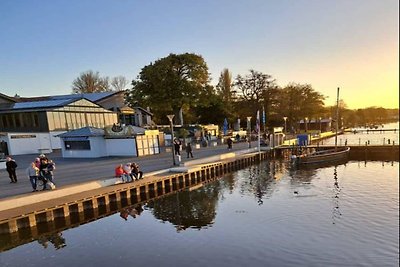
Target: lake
[269,214]
[371,138]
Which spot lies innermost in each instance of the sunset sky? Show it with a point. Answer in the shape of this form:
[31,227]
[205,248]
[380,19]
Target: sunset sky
[351,44]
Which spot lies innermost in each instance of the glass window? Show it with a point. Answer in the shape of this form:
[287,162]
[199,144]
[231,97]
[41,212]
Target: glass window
[10,120]
[69,121]
[57,122]
[77,117]
[88,119]
[63,123]
[98,120]
[35,119]
[17,120]
[93,119]
[83,120]
[50,120]
[77,145]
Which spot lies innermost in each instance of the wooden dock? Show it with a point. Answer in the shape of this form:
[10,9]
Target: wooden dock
[52,216]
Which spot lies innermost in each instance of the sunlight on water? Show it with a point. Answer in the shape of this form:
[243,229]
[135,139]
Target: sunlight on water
[266,215]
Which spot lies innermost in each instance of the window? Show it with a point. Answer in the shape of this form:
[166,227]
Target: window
[77,145]
[17,120]
[5,121]
[35,120]
[63,124]
[50,121]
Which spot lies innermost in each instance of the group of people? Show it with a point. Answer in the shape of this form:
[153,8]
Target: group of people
[132,211]
[128,172]
[42,169]
[178,148]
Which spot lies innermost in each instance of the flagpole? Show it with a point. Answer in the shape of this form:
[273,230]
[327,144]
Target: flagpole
[258,130]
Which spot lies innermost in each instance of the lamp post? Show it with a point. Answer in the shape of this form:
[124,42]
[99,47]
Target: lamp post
[306,119]
[285,118]
[170,117]
[320,126]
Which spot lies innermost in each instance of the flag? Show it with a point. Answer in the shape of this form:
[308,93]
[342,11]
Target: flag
[258,121]
[225,126]
[263,116]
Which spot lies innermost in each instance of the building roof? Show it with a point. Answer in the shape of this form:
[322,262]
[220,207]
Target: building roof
[44,104]
[83,132]
[94,97]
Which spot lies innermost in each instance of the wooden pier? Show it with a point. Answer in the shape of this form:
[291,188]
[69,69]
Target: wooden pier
[25,224]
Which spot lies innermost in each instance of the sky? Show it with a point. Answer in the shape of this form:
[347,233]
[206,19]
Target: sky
[351,44]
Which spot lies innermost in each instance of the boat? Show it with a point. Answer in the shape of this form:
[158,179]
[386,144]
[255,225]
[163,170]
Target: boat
[325,156]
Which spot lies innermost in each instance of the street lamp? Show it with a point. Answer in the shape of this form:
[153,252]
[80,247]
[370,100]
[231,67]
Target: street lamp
[320,127]
[285,118]
[306,119]
[170,117]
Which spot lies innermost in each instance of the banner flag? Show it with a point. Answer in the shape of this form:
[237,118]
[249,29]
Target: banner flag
[258,121]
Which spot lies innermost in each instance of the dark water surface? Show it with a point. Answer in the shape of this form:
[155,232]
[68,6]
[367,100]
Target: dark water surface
[264,215]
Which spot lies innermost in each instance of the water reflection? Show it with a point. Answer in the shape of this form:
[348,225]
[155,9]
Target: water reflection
[184,209]
[261,179]
[56,239]
[336,191]
[133,211]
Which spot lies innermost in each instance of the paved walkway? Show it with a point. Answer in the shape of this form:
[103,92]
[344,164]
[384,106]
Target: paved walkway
[75,171]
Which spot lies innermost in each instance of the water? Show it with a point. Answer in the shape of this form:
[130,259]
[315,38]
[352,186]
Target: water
[371,138]
[265,215]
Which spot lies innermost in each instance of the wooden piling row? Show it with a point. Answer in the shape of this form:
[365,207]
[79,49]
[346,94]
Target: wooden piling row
[92,208]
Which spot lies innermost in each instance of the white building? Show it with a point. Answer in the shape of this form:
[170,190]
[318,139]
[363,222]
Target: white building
[90,142]
[32,125]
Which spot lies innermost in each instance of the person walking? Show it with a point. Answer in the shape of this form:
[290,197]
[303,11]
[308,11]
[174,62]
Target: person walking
[33,172]
[11,167]
[229,142]
[189,150]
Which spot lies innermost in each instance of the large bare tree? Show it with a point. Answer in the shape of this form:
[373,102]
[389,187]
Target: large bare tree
[119,83]
[90,82]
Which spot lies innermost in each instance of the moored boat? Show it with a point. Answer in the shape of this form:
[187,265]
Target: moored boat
[330,155]
[322,156]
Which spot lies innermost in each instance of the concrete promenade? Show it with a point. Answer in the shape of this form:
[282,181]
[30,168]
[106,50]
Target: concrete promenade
[71,172]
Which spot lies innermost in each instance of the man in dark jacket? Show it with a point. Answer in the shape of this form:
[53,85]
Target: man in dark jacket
[11,167]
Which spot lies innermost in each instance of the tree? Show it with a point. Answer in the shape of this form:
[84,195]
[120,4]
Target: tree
[298,101]
[225,92]
[90,82]
[255,90]
[119,83]
[171,83]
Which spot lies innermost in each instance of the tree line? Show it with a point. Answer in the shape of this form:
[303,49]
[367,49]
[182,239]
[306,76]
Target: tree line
[180,84]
